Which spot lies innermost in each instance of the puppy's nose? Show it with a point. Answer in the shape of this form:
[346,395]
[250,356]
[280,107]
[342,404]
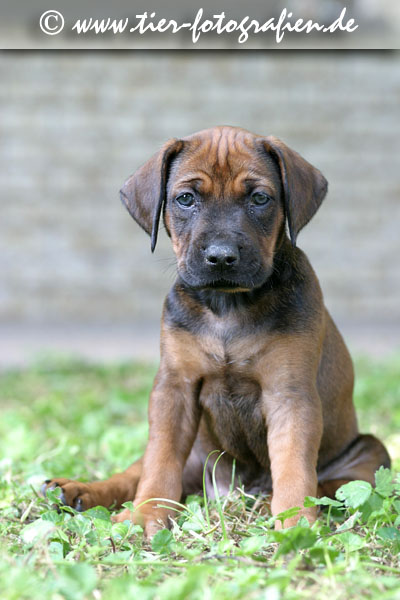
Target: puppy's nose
[222,255]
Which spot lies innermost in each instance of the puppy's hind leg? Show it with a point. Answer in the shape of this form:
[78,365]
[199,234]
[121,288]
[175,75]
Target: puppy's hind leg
[360,461]
[116,490]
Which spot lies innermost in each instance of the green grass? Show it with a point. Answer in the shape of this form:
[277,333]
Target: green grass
[79,421]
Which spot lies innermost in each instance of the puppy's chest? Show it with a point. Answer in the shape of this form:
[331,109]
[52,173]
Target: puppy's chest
[230,356]
[230,397]
[230,347]
[232,410]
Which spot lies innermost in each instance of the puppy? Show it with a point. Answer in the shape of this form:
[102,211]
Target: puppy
[251,362]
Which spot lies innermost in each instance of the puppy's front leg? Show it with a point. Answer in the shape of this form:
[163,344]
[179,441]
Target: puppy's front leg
[294,421]
[173,421]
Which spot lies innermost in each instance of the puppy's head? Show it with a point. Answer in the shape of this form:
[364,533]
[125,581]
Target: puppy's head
[225,195]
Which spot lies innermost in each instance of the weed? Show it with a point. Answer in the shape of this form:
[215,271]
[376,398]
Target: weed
[71,419]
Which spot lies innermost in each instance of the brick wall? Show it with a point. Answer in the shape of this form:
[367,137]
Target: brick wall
[74,126]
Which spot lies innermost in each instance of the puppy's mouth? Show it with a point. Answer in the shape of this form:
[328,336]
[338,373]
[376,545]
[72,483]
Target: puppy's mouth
[222,285]
[225,285]
[231,283]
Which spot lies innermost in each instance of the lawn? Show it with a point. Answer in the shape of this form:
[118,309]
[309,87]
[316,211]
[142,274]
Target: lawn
[80,421]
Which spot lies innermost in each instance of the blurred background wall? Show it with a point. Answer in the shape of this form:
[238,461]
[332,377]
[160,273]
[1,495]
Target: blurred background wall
[76,273]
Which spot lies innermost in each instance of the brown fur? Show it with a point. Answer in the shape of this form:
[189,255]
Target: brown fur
[251,361]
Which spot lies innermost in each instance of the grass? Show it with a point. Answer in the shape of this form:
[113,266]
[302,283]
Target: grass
[80,421]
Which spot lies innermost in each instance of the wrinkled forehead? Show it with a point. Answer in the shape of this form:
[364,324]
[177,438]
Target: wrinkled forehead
[224,162]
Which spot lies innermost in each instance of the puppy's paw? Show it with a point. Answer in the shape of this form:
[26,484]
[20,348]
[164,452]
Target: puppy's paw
[309,513]
[76,494]
[150,521]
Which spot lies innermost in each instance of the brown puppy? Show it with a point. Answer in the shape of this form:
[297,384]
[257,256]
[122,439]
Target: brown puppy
[251,361]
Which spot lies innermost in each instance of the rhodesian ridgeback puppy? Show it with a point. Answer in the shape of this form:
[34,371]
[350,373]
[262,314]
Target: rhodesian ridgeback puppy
[251,362]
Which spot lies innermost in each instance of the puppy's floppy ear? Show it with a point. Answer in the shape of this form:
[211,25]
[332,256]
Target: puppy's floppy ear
[144,193]
[304,186]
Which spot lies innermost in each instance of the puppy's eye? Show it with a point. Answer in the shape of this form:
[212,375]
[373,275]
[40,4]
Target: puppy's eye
[260,198]
[186,200]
